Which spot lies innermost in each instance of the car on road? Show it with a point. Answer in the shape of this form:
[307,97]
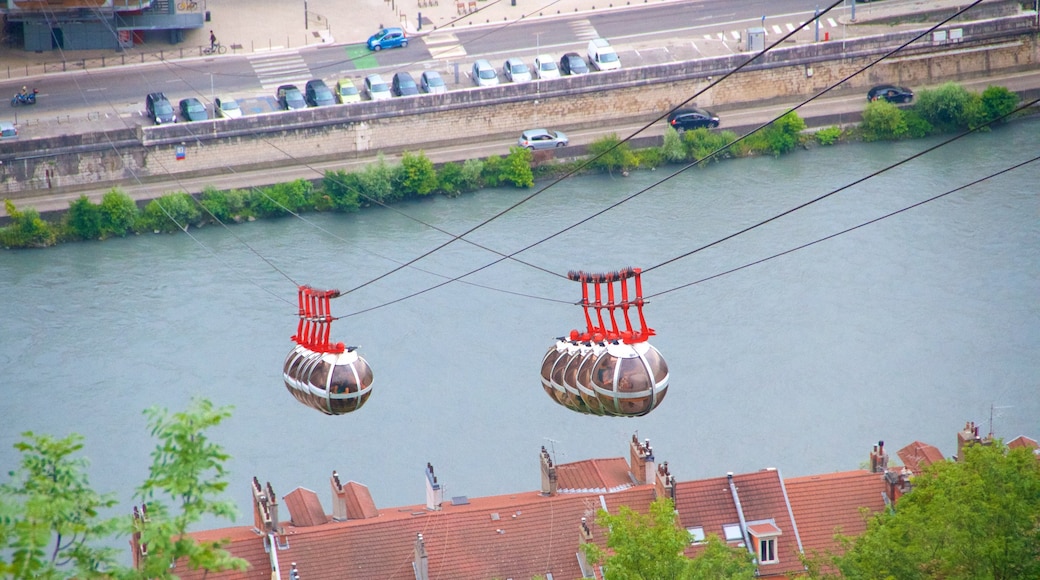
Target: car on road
[290,98]
[431,82]
[516,71]
[193,110]
[890,93]
[542,139]
[484,75]
[545,67]
[376,88]
[226,108]
[318,94]
[391,37]
[347,92]
[403,85]
[572,64]
[160,109]
[7,130]
[692,118]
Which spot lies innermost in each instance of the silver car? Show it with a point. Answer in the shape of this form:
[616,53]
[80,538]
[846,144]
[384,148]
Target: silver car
[516,71]
[484,75]
[545,67]
[431,82]
[542,139]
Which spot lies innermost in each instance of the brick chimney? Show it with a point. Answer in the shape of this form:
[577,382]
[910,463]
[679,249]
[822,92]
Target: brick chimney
[584,532]
[265,509]
[339,499]
[641,461]
[879,458]
[664,483]
[140,550]
[420,560]
[434,493]
[548,473]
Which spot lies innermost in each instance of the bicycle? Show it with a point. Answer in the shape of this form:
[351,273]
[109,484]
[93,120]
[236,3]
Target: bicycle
[214,49]
[188,6]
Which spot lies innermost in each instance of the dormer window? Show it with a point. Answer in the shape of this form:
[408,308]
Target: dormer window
[763,536]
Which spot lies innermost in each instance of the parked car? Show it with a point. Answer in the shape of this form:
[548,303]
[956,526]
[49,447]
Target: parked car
[392,37]
[376,88]
[160,109]
[484,75]
[602,55]
[226,108]
[431,82]
[193,110]
[573,64]
[317,93]
[7,130]
[693,118]
[542,139]
[403,85]
[516,71]
[545,67]
[290,98]
[890,93]
[346,91]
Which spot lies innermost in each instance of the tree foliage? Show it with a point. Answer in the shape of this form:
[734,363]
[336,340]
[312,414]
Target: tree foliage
[611,154]
[650,546]
[49,514]
[783,135]
[997,102]
[418,176]
[517,168]
[883,121]
[118,214]
[84,219]
[27,229]
[977,518]
[950,107]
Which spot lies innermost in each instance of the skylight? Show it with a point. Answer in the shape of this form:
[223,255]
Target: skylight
[697,534]
[732,532]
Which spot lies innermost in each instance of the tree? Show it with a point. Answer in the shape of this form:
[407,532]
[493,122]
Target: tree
[782,135]
[950,107]
[517,169]
[882,121]
[418,176]
[187,469]
[118,214]
[84,219]
[974,518]
[650,547]
[27,229]
[49,514]
[997,102]
[610,153]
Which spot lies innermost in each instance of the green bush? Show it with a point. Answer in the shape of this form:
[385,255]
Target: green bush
[517,169]
[829,135]
[883,121]
[916,126]
[672,147]
[997,102]
[280,199]
[224,206]
[449,179]
[784,134]
[651,157]
[27,229]
[702,143]
[418,177]
[169,213]
[377,182]
[342,190]
[491,173]
[119,214]
[472,170]
[611,154]
[83,220]
[950,107]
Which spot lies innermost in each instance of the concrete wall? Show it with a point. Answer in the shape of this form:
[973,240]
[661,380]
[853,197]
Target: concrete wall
[474,115]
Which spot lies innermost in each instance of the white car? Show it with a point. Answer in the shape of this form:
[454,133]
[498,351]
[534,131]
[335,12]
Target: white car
[226,108]
[545,67]
[516,71]
[484,75]
[376,88]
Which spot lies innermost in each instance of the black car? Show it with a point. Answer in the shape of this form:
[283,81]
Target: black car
[290,98]
[160,109]
[193,110]
[573,64]
[890,93]
[688,119]
[403,85]
[318,94]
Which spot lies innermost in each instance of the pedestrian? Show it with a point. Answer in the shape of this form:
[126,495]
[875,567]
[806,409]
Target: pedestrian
[212,40]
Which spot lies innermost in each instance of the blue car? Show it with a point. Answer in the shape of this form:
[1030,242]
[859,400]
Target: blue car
[388,38]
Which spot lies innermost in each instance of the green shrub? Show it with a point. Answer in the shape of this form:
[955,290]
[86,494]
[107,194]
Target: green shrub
[27,229]
[342,190]
[491,173]
[916,126]
[169,213]
[119,214]
[882,121]
[996,103]
[472,170]
[784,134]
[83,219]
[950,107]
[449,179]
[651,157]
[418,177]
[611,154]
[224,206]
[672,147]
[377,182]
[829,135]
[281,198]
[702,143]
[517,169]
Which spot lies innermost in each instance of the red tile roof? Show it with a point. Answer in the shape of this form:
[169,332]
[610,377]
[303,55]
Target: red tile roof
[830,503]
[594,475]
[1023,441]
[916,456]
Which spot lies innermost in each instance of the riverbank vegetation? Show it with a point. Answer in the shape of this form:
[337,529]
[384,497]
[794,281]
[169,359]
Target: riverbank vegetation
[946,109]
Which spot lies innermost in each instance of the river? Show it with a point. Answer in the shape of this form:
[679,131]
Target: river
[902,330]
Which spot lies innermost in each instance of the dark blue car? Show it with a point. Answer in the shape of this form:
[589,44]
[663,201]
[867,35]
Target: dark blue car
[388,38]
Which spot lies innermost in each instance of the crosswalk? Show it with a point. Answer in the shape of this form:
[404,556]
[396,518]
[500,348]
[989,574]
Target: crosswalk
[774,30]
[583,29]
[444,45]
[275,70]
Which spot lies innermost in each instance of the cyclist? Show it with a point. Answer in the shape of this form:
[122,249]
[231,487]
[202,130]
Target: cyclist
[212,40]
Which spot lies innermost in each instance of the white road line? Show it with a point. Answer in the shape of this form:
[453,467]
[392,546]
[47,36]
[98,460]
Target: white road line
[832,23]
[776,29]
